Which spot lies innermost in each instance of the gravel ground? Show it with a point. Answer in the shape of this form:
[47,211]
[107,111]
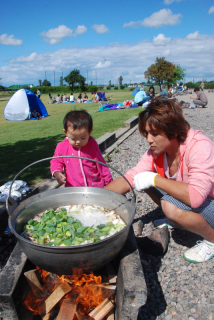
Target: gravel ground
[177,289]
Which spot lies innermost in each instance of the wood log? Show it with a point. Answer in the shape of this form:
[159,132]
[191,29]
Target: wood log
[56,296]
[111,273]
[33,279]
[67,309]
[102,310]
[110,315]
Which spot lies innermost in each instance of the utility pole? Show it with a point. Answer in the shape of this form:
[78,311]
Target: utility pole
[96,76]
[62,77]
[87,76]
[54,78]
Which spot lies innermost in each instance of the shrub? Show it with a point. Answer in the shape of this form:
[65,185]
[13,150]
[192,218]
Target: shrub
[115,88]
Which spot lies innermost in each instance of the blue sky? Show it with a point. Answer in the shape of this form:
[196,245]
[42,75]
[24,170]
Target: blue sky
[104,39]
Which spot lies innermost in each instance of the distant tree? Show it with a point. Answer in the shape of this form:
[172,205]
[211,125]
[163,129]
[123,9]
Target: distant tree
[91,83]
[40,83]
[46,83]
[74,78]
[120,81]
[161,71]
[178,74]
[110,83]
[61,81]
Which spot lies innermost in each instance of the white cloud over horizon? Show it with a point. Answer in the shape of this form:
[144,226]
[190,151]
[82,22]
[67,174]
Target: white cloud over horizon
[161,40]
[54,36]
[194,53]
[211,10]
[100,28]
[9,40]
[164,17]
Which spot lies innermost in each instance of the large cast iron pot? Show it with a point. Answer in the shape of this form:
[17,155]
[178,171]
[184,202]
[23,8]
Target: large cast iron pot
[61,260]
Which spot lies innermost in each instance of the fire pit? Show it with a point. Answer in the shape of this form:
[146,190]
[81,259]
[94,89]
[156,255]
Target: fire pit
[130,285]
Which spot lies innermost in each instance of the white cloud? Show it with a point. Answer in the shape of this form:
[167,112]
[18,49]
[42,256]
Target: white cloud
[194,35]
[170,1]
[111,61]
[164,17]
[211,10]
[9,40]
[161,18]
[101,65]
[80,29]
[54,36]
[100,28]
[161,40]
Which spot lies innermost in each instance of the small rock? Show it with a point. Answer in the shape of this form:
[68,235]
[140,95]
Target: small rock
[138,227]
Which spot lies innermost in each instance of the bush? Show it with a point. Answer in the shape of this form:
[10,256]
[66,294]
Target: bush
[115,88]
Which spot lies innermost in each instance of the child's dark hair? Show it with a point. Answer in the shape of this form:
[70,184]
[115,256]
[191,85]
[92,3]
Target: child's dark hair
[79,119]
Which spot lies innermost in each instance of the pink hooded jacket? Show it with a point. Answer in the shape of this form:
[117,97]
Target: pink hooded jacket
[80,172]
[196,166]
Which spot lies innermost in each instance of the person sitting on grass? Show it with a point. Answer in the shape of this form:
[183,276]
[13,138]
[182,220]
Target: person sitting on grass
[141,97]
[85,97]
[72,98]
[170,96]
[35,114]
[151,93]
[78,126]
[201,99]
[177,172]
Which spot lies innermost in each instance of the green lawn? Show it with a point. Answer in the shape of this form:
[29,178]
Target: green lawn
[23,142]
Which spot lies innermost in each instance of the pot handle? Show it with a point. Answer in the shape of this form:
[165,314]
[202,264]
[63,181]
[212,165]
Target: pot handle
[11,203]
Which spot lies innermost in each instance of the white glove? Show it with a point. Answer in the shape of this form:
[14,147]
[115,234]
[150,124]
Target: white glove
[144,180]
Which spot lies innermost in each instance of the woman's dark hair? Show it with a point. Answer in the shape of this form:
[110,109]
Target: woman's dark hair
[79,119]
[166,117]
[152,88]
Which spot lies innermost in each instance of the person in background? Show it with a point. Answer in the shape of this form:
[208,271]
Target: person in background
[202,85]
[170,96]
[72,98]
[35,114]
[97,98]
[177,172]
[151,92]
[62,98]
[163,91]
[92,96]
[141,97]
[80,98]
[58,99]
[65,97]
[85,97]
[201,99]
[78,126]
[38,93]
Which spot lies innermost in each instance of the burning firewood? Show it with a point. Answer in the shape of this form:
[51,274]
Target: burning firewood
[111,273]
[32,278]
[56,296]
[102,310]
[67,309]
[110,316]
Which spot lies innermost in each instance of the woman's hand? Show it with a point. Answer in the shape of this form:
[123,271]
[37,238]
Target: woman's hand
[60,177]
[144,180]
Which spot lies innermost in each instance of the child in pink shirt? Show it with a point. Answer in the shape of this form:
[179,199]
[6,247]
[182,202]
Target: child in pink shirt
[78,126]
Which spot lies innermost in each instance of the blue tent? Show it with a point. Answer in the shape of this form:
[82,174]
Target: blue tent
[135,91]
[22,104]
[101,95]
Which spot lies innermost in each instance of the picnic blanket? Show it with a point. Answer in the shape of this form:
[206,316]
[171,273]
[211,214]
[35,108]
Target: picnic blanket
[117,106]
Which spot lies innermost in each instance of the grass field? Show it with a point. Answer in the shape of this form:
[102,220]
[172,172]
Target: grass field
[23,142]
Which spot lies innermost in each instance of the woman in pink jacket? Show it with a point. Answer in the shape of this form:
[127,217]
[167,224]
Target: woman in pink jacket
[177,172]
[78,126]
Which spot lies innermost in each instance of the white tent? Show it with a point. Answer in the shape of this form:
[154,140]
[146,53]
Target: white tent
[21,105]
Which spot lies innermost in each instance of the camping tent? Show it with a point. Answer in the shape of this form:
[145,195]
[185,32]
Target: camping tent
[21,104]
[135,91]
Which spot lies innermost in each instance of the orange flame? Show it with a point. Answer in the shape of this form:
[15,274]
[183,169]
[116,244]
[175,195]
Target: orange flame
[84,286]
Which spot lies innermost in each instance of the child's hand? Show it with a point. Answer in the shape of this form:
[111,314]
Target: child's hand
[60,177]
